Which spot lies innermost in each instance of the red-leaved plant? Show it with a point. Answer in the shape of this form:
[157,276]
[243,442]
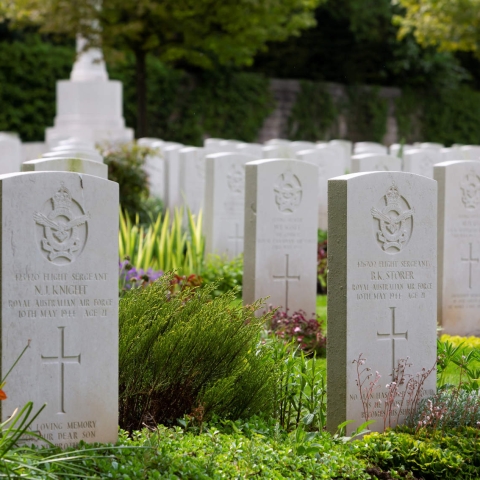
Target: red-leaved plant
[305,332]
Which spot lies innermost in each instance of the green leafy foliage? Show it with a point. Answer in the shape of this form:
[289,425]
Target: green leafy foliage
[453,454]
[29,71]
[187,353]
[313,114]
[183,107]
[226,274]
[300,394]
[449,25]
[163,244]
[444,116]
[126,167]
[367,113]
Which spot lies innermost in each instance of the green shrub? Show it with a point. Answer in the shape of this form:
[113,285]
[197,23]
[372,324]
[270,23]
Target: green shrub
[190,354]
[454,454]
[226,274]
[125,166]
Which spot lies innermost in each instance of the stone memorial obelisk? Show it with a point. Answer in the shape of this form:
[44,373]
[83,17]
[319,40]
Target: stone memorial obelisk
[89,105]
[382,292]
[59,288]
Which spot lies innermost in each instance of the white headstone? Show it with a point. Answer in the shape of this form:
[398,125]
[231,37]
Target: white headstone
[341,158]
[278,151]
[224,203]
[155,169]
[33,150]
[60,256]
[253,149]
[148,141]
[346,145]
[451,154]
[66,164]
[280,257]
[470,152]
[382,286]
[432,145]
[173,197]
[370,162]
[328,167]
[10,153]
[421,161]
[369,147]
[298,146]
[459,247]
[192,177]
[398,149]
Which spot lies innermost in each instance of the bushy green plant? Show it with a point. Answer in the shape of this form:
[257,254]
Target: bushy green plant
[186,353]
[126,167]
[226,274]
[164,244]
[300,394]
[450,455]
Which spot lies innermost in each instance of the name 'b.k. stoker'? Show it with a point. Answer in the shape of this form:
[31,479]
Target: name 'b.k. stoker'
[382,294]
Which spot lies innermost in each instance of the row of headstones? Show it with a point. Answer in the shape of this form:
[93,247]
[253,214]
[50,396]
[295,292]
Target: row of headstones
[59,294]
[390,279]
[213,181]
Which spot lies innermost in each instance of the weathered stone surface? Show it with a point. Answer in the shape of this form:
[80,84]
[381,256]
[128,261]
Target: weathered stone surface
[329,165]
[281,234]
[66,164]
[459,246]
[171,155]
[421,161]
[10,153]
[382,286]
[369,147]
[224,203]
[371,162]
[192,177]
[59,289]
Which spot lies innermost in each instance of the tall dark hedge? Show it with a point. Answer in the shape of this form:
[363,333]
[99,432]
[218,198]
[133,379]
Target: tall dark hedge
[28,72]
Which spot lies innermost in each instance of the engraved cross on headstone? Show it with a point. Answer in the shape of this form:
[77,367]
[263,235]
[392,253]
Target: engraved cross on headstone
[237,240]
[393,336]
[62,360]
[286,278]
[471,261]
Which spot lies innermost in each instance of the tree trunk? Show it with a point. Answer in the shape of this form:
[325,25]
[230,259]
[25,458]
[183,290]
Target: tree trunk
[141,85]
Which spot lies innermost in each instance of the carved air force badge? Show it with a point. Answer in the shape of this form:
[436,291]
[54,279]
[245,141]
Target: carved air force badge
[393,221]
[62,228]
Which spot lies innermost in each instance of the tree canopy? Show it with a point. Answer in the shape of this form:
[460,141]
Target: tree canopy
[449,25]
[204,33]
